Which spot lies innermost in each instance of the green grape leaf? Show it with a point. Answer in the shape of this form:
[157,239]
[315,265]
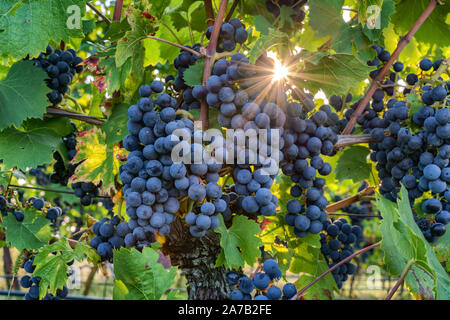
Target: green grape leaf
[117,30]
[99,159]
[82,250]
[265,42]
[285,17]
[190,12]
[325,16]
[308,39]
[23,94]
[89,26]
[194,74]
[32,233]
[262,25]
[115,78]
[115,127]
[333,73]
[403,242]
[139,276]
[239,243]
[38,138]
[30,23]
[351,40]
[308,260]
[51,264]
[434,30]
[141,27]
[442,251]
[352,164]
[160,52]
[413,102]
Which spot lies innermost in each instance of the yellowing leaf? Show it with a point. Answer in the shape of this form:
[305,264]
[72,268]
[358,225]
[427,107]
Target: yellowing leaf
[99,159]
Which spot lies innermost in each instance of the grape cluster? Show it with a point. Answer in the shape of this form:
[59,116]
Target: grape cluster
[203,186]
[86,191]
[307,139]
[336,245]
[32,284]
[110,234]
[419,160]
[231,33]
[61,174]
[61,67]
[51,213]
[152,182]
[262,283]
[183,61]
[229,90]
[363,208]
[42,178]
[274,6]
[418,157]
[433,225]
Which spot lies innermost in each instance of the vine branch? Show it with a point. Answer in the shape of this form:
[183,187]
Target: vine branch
[346,140]
[176,45]
[442,68]
[401,45]
[354,215]
[337,265]
[233,7]
[57,112]
[209,60]
[400,281]
[209,13]
[348,201]
[118,10]
[51,190]
[99,13]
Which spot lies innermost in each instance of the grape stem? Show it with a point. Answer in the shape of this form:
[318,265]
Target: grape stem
[186,114]
[348,201]
[209,13]
[9,182]
[75,102]
[57,112]
[118,10]
[79,232]
[354,214]
[337,265]
[51,190]
[351,139]
[233,7]
[171,31]
[99,13]
[198,54]
[374,85]
[442,68]
[258,268]
[400,281]
[209,60]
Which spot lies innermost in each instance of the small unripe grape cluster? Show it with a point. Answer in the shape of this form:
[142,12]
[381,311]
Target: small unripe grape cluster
[337,244]
[86,191]
[262,283]
[231,33]
[61,67]
[32,284]
[110,234]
